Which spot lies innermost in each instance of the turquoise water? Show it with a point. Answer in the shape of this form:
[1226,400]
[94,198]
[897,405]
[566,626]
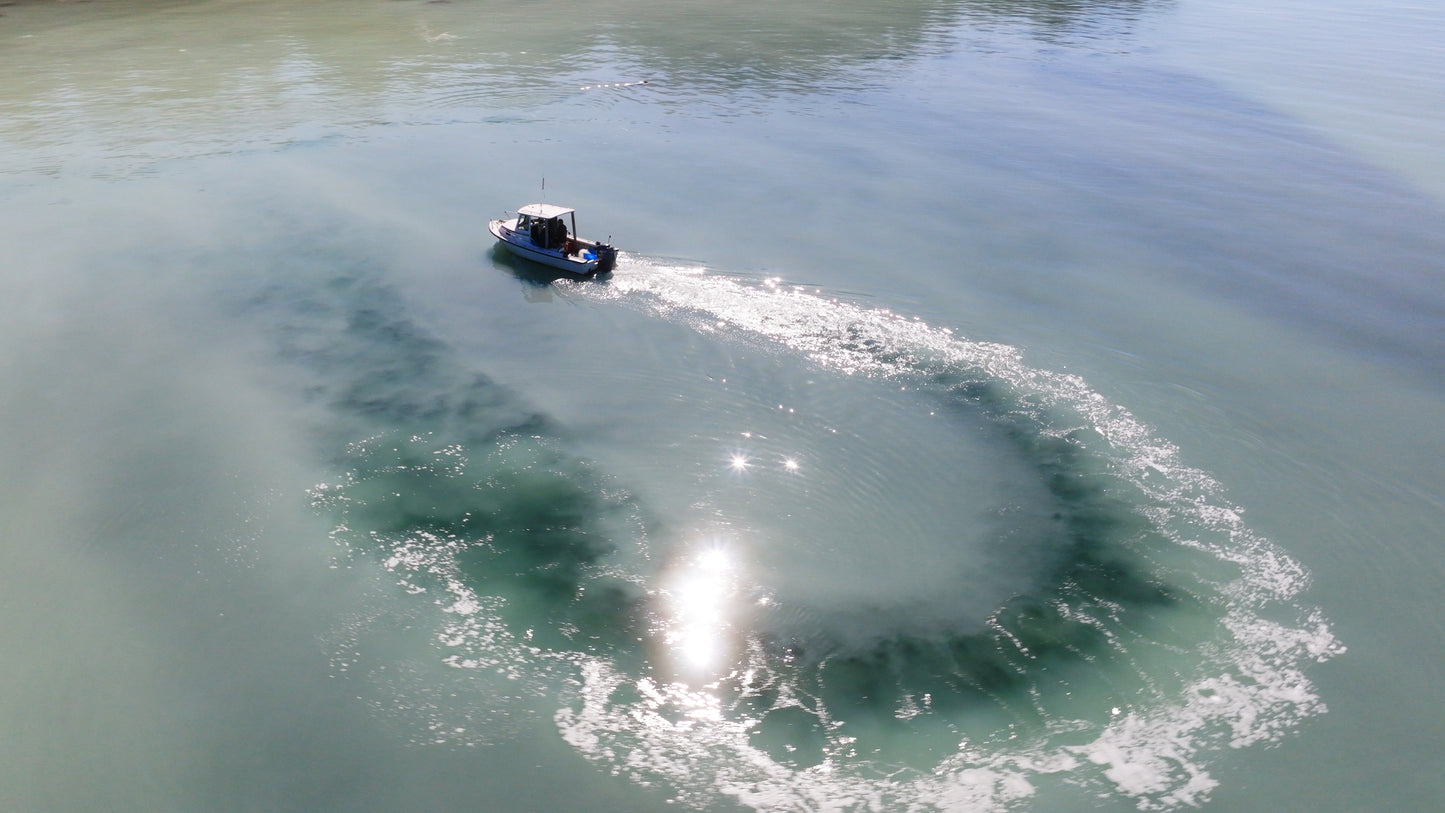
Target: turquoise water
[996,406]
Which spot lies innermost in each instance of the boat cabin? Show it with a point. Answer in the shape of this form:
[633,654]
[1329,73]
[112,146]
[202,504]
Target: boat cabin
[547,225]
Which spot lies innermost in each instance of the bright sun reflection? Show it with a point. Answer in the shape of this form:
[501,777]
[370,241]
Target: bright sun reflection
[790,464]
[739,462]
[699,594]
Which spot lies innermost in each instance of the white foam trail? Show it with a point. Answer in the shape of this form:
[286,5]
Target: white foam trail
[1248,686]
[616,85]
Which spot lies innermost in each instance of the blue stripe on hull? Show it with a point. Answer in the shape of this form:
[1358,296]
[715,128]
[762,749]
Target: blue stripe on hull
[548,258]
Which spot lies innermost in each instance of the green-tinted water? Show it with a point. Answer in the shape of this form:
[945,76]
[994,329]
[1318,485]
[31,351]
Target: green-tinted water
[996,406]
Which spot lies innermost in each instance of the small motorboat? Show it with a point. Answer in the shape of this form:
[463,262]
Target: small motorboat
[547,234]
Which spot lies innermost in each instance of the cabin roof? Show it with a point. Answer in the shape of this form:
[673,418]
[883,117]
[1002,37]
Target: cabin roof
[546,211]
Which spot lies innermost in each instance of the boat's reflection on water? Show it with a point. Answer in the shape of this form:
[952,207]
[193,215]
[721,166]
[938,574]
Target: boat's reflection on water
[537,279]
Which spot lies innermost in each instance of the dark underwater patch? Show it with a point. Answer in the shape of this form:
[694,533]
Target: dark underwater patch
[442,457]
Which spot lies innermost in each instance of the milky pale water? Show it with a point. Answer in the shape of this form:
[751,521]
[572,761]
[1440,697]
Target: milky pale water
[996,406]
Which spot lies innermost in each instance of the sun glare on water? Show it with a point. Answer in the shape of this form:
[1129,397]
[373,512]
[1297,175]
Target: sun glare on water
[699,599]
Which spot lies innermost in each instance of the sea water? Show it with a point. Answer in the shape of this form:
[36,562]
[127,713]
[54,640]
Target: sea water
[995,406]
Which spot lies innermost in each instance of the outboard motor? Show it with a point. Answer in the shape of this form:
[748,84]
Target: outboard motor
[606,258]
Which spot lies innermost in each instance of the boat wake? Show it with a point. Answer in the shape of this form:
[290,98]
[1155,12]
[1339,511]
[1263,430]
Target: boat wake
[1165,632]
